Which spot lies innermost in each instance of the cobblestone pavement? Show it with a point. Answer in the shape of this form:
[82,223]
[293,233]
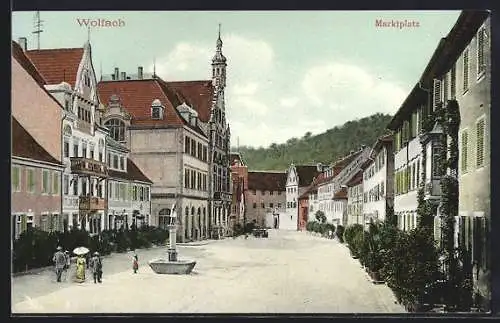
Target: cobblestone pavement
[289,272]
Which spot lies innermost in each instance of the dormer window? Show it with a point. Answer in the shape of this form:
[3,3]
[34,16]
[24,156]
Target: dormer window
[157,110]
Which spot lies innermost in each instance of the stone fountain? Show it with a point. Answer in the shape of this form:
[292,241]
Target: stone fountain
[171,264]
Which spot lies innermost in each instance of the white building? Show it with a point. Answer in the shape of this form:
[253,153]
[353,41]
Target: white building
[298,180]
[378,180]
[71,80]
[355,200]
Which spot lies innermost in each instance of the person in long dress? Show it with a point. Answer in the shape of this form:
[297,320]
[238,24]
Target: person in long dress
[135,263]
[80,268]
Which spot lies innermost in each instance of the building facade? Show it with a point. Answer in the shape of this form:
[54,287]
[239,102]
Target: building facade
[378,180]
[239,180]
[70,78]
[266,198]
[36,165]
[355,200]
[298,180]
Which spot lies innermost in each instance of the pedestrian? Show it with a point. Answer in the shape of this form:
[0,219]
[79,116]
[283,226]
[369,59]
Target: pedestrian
[96,264]
[135,263]
[80,269]
[59,260]
[68,259]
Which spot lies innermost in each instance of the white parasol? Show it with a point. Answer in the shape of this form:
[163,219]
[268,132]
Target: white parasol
[80,251]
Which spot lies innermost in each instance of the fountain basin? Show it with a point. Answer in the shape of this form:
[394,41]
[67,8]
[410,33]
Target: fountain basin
[179,267]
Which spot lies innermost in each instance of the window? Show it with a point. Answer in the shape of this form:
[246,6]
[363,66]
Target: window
[134,193]
[263,192]
[186,178]
[45,181]
[100,156]
[66,149]
[271,192]
[382,189]
[16,179]
[84,186]
[146,193]
[463,161]
[453,82]
[109,159]
[437,93]
[279,205]
[75,150]
[279,192]
[271,205]
[91,153]
[116,129]
[75,187]
[418,173]
[262,205]
[122,163]
[481,66]
[436,161]
[123,191]
[156,113]
[466,69]
[200,151]
[187,145]
[141,193]
[254,205]
[55,183]
[205,151]
[480,143]
[84,150]
[115,161]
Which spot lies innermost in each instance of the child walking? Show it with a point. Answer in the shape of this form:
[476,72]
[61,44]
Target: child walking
[135,264]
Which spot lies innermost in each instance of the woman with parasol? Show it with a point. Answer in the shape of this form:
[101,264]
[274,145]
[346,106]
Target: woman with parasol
[80,263]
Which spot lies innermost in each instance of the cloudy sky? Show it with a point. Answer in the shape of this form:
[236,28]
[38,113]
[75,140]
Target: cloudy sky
[289,72]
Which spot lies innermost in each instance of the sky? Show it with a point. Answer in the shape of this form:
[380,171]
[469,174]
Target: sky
[288,73]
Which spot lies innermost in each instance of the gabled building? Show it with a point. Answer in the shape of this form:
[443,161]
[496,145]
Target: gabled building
[266,198]
[179,138]
[378,180]
[36,157]
[70,78]
[298,179]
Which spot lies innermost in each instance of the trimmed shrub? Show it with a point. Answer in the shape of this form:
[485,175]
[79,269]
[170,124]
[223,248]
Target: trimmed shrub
[340,233]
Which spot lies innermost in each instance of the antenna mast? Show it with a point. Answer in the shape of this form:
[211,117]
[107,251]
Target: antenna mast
[38,27]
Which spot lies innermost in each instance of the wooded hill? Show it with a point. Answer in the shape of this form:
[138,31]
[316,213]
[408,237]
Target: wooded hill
[322,148]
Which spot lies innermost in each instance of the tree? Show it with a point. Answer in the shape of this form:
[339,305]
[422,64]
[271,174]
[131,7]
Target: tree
[320,216]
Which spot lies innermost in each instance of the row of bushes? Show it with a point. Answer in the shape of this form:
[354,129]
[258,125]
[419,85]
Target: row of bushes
[323,228]
[35,248]
[407,261]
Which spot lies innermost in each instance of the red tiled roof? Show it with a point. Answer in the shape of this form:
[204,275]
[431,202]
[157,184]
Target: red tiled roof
[27,64]
[306,174]
[57,65]
[266,181]
[136,96]
[25,146]
[197,94]
[133,173]
[356,179]
[340,195]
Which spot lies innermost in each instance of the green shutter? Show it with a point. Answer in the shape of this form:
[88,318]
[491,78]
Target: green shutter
[480,143]
[464,151]
[15,178]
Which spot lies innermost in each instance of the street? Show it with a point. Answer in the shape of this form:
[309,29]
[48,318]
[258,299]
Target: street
[289,272]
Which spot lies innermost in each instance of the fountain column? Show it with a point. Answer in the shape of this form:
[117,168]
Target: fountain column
[172,249]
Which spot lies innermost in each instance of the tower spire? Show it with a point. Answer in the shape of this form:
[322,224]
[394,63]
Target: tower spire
[154,67]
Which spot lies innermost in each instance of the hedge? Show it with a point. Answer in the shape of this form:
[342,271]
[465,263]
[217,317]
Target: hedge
[35,248]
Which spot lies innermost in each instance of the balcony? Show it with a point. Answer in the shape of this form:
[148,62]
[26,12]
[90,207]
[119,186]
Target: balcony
[222,196]
[86,166]
[91,203]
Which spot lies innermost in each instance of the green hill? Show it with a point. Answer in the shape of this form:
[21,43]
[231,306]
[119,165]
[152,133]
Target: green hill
[325,147]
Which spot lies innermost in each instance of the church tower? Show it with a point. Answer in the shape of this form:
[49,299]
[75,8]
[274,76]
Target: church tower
[219,146]
[219,66]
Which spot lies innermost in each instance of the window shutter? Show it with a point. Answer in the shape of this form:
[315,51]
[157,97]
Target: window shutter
[480,51]
[480,143]
[445,87]
[466,69]
[464,151]
[437,93]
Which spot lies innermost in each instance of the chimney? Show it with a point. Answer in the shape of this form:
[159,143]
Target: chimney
[139,73]
[117,73]
[124,76]
[23,42]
